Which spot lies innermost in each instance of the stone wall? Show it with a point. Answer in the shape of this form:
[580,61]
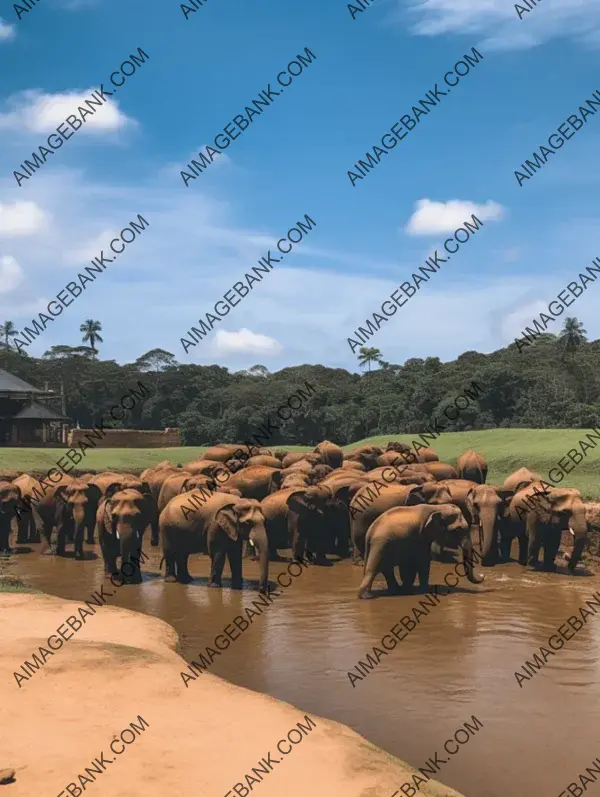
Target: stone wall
[128,438]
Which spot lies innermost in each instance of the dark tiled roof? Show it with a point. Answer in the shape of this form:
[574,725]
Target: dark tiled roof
[39,412]
[12,384]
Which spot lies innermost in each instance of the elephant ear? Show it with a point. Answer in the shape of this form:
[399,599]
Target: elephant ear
[112,488]
[94,492]
[297,502]
[415,496]
[431,522]
[227,519]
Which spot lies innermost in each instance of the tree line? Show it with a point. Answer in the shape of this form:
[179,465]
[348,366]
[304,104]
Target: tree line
[554,382]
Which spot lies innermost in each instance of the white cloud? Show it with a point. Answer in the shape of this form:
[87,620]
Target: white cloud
[499,22]
[245,342]
[35,112]
[88,250]
[432,217]
[21,218]
[7,32]
[11,274]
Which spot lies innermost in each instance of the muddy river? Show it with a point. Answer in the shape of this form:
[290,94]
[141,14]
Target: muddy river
[458,662]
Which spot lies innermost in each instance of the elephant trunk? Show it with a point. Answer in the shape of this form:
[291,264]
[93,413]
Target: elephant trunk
[467,551]
[487,522]
[258,536]
[130,548]
[579,527]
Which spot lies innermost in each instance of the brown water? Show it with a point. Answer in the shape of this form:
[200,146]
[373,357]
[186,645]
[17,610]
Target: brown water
[460,661]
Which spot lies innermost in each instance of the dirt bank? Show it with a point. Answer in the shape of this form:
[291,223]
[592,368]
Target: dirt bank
[121,667]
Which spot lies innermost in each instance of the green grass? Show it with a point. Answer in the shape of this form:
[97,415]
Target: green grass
[505,450]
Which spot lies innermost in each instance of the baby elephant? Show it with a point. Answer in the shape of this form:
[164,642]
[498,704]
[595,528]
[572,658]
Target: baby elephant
[402,536]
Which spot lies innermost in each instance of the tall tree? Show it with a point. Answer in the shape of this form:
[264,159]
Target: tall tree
[91,330]
[369,355]
[572,335]
[8,330]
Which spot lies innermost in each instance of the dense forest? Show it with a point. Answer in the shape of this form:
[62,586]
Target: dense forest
[554,382]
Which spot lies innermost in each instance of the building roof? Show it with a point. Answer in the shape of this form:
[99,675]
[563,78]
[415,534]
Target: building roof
[12,384]
[37,411]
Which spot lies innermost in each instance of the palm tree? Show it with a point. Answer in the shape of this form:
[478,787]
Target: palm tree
[91,329]
[368,355]
[572,335]
[8,330]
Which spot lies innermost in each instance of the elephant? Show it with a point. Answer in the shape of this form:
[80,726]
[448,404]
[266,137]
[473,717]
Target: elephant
[275,509]
[472,466]
[76,509]
[402,475]
[156,478]
[121,520]
[403,535]
[316,520]
[520,478]
[280,454]
[220,525]
[291,458]
[151,508]
[368,456]
[159,466]
[256,482]
[427,455]
[397,445]
[263,459]
[330,453]
[487,506]
[392,458]
[37,508]
[318,473]
[297,479]
[10,494]
[441,470]
[539,514]
[367,505]
[180,483]
[207,467]
[224,451]
[350,464]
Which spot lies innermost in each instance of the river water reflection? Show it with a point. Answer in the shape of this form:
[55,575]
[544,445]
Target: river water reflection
[459,661]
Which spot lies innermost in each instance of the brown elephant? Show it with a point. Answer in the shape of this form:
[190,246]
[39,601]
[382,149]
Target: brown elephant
[220,526]
[472,466]
[487,506]
[403,536]
[263,459]
[121,520]
[351,464]
[539,514]
[401,475]
[164,464]
[207,467]
[319,472]
[397,445]
[392,458]
[36,510]
[276,510]
[368,503]
[441,470]
[296,479]
[368,456]
[256,482]
[330,453]
[225,451]
[181,483]
[10,494]
[151,507]
[291,458]
[280,454]
[76,508]
[157,477]
[427,455]
[316,521]
[520,478]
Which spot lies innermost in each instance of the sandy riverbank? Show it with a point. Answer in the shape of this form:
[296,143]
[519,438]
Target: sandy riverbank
[201,740]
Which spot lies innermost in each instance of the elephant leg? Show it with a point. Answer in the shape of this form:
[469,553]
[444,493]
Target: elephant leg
[217,563]
[533,549]
[373,559]
[79,542]
[23,528]
[234,554]
[551,546]
[90,524]
[33,530]
[505,545]
[390,577]
[423,567]
[170,571]
[356,557]
[62,536]
[4,535]
[408,573]
[154,533]
[181,564]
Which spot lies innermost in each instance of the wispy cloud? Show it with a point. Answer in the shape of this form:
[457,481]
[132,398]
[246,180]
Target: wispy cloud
[432,217]
[7,32]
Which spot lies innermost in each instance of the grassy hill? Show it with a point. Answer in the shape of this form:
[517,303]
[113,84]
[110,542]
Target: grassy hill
[505,450]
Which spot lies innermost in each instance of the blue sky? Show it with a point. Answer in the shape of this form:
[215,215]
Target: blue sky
[293,160]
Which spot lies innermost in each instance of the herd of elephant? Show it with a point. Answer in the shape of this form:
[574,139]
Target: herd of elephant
[366,503]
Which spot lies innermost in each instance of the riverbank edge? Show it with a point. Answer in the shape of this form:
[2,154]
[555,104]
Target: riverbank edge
[122,665]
